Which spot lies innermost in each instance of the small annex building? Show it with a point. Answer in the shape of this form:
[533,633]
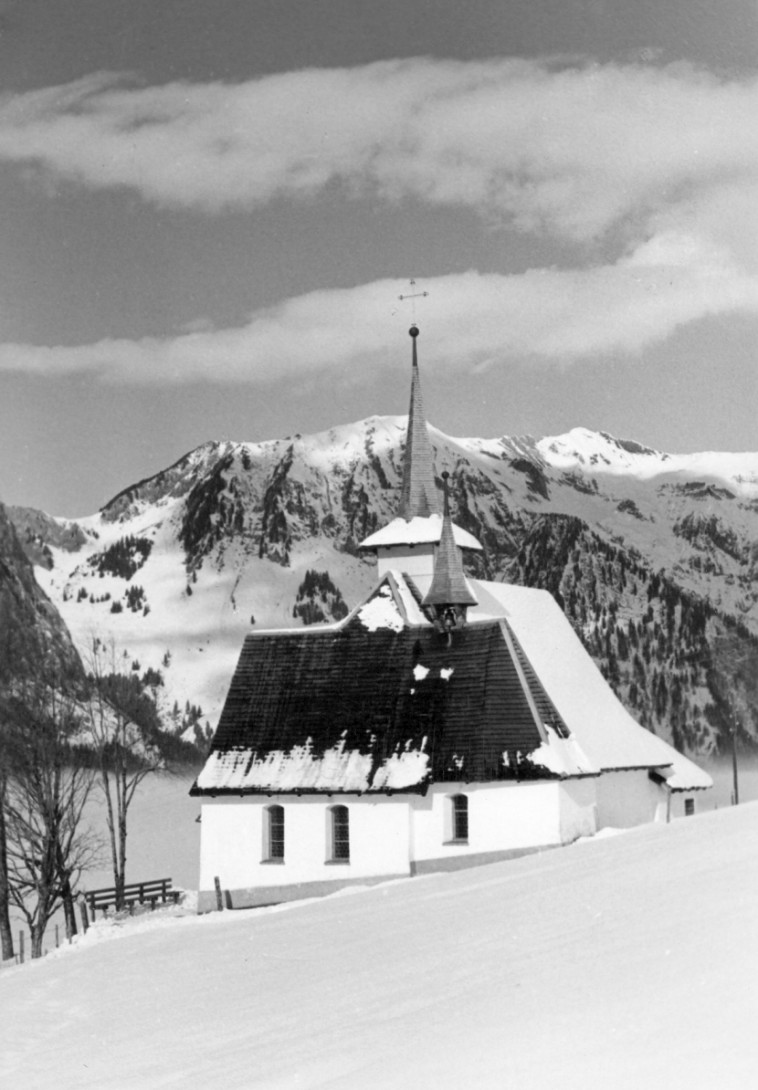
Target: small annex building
[446,722]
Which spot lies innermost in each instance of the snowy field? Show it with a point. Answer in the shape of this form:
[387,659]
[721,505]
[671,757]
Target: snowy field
[626,962]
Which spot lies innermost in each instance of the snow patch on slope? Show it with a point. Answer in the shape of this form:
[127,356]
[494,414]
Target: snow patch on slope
[598,452]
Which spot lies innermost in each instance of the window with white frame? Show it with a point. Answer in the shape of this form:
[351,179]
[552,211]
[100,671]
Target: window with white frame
[339,834]
[273,834]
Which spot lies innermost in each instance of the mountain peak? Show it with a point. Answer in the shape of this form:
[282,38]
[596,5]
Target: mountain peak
[178,566]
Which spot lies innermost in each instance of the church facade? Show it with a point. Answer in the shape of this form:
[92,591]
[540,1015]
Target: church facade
[446,722]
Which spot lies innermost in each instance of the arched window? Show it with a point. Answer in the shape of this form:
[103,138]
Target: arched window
[460,817]
[273,844]
[340,834]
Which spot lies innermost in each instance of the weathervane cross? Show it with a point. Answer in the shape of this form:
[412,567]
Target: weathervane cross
[413,296]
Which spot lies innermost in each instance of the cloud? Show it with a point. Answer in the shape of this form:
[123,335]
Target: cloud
[470,320]
[573,151]
[663,158]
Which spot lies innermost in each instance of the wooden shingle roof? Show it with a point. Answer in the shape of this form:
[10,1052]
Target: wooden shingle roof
[390,709]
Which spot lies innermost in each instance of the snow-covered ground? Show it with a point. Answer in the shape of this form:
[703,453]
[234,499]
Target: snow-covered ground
[626,961]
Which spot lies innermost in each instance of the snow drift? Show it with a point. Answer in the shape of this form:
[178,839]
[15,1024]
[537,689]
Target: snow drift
[625,961]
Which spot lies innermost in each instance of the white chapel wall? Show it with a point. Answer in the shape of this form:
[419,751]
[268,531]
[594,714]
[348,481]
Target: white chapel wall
[578,803]
[679,801]
[233,848]
[503,817]
[629,798]
[413,560]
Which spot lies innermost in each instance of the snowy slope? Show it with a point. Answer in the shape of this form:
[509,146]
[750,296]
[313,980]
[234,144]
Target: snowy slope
[622,962]
[602,453]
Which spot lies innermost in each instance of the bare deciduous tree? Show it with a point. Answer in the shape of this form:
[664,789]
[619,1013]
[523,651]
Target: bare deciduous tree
[6,936]
[46,789]
[124,735]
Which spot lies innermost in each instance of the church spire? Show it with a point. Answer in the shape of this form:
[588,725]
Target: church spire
[418,498]
[410,541]
[448,597]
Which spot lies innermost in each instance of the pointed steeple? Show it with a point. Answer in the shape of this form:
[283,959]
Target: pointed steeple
[409,542]
[418,497]
[449,595]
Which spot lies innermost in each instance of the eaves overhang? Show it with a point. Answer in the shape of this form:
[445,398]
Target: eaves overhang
[270,792]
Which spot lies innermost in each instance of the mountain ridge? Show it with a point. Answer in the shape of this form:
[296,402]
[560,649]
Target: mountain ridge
[653,556]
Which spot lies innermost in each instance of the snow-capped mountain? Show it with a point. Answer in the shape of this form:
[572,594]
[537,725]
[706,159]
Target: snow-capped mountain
[652,555]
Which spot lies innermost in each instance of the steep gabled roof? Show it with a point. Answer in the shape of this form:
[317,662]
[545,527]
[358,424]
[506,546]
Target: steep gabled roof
[377,704]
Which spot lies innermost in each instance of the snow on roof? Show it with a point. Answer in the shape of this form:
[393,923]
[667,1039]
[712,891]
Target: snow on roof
[684,774]
[381,611]
[417,531]
[604,729]
[302,769]
[408,597]
[562,756]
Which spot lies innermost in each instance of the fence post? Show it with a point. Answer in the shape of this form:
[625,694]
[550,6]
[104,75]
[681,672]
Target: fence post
[83,911]
[21,947]
[56,937]
[219,899]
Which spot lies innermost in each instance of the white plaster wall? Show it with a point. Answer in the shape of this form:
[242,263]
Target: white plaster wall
[677,802]
[629,798]
[578,804]
[232,841]
[502,817]
[418,560]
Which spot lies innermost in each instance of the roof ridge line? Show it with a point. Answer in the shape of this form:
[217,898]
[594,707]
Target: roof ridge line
[509,638]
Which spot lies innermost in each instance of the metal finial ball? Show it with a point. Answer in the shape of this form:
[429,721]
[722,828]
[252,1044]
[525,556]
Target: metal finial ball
[413,331]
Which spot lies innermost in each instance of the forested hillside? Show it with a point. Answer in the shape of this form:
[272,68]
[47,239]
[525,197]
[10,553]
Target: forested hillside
[653,556]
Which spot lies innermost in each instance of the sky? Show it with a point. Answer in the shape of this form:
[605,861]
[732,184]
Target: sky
[209,210]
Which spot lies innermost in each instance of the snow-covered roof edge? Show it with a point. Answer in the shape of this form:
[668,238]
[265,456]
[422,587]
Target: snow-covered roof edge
[417,531]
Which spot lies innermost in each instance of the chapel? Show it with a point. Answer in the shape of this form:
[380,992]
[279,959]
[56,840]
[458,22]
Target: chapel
[446,722]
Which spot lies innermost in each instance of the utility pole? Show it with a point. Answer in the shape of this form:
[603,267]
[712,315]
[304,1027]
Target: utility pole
[736,794]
